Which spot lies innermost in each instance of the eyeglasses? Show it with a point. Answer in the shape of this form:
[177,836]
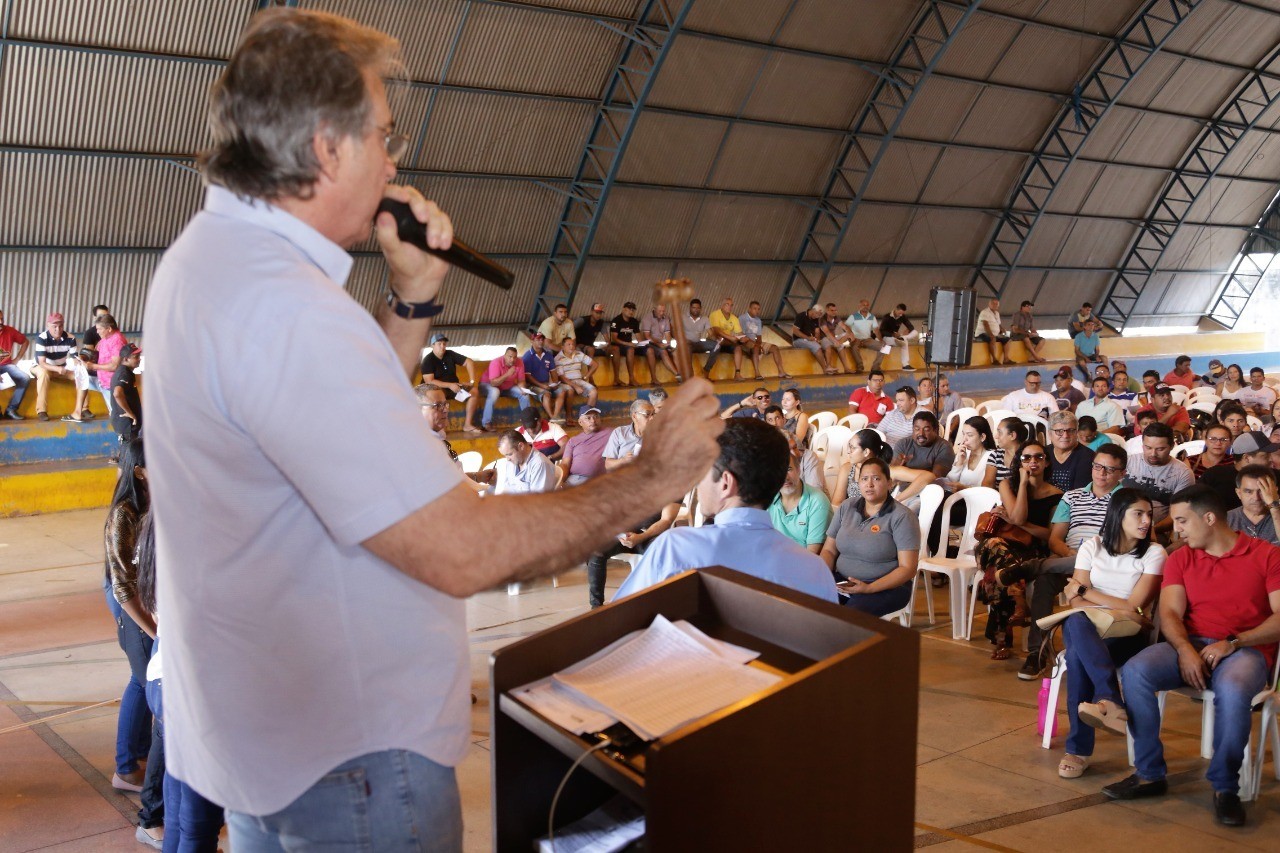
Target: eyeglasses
[646,414]
[1063,431]
[1106,468]
[1033,457]
[439,407]
[1218,439]
[395,143]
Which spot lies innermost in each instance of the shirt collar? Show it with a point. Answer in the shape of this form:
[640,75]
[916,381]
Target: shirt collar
[861,507]
[331,258]
[743,516]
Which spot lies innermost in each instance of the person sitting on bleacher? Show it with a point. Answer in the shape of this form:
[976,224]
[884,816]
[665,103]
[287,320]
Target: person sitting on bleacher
[624,343]
[726,331]
[13,347]
[1106,413]
[871,400]
[522,469]
[737,491]
[866,332]
[1118,569]
[1023,328]
[800,512]
[576,370]
[1078,319]
[756,345]
[895,328]
[806,334]
[655,333]
[1258,397]
[589,331]
[1182,373]
[991,332]
[697,329]
[1031,400]
[440,368]
[896,424]
[837,338]
[53,347]
[556,328]
[924,449]
[503,376]
[539,372]
[1219,620]
[1065,395]
[1259,510]
[1088,348]
[873,545]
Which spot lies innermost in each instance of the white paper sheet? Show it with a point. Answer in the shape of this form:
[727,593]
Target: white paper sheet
[462,396]
[609,828]
[555,703]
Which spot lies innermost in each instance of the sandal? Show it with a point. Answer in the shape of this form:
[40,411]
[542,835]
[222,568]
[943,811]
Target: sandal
[1000,653]
[73,419]
[1072,766]
[785,376]
[737,376]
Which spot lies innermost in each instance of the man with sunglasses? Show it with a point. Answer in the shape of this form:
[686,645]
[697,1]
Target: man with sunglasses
[1078,516]
[750,406]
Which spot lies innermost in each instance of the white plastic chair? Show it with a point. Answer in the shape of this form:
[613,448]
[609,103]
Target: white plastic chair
[1201,406]
[995,416]
[470,460]
[822,420]
[830,440]
[1189,448]
[1079,386]
[904,615]
[1178,394]
[1255,423]
[1039,426]
[987,405]
[930,499]
[685,516]
[967,402]
[1269,732]
[853,422]
[962,569]
[1203,394]
[959,416]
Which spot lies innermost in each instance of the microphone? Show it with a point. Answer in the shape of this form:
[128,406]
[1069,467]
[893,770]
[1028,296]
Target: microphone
[459,254]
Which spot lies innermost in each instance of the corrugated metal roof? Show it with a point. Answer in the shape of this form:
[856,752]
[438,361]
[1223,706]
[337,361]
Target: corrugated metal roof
[706,76]
[756,20]
[1023,64]
[668,149]
[904,171]
[1231,202]
[874,234]
[1201,248]
[939,109]
[1230,32]
[712,283]
[1103,18]
[736,227]
[868,29]
[1182,86]
[943,237]
[978,48]
[614,282]
[646,223]
[208,28]
[37,282]
[1257,155]
[77,99]
[1122,191]
[1007,119]
[1071,242]
[1158,140]
[775,159]
[425,30]
[804,90]
[108,210]
[974,178]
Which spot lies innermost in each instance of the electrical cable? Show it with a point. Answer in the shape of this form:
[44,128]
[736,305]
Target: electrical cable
[551,815]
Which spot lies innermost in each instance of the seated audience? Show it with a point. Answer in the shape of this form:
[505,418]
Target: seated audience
[895,328]
[838,338]
[871,400]
[1257,397]
[440,368]
[1088,348]
[624,341]
[751,406]
[794,416]
[53,347]
[1219,622]
[753,334]
[624,441]
[1233,382]
[1231,415]
[657,399]
[13,348]
[1087,431]
[1259,507]
[1150,379]
[806,334]
[1071,459]
[726,331]
[589,332]
[1076,324]
[896,424]
[435,411]
[1273,421]
[1023,328]
[925,395]
[811,473]
[990,331]
[504,375]
[540,372]
[867,444]
[583,456]
[576,369]
[1142,419]
[973,466]
[1066,395]
[1130,384]
[1123,394]
[1173,416]
[110,342]
[632,542]
[1215,374]
[1119,569]
[1029,400]
[521,469]
[948,400]
[866,332]
[1217,451]
[1182,374]
[1028,500]
[1106,414]
[800,512]
[873,544]
[1252,448]
[736,491]
[924,449]
[655,333]
[1011,433]
[1157,474]
[547,438]
[556,328]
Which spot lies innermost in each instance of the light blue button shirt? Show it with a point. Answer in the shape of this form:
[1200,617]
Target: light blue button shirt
[752,327]
[742,539]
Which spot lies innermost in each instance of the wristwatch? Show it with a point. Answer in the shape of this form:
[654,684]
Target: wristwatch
[412,310]
[1234,641]
[1274,504]
[1081,592]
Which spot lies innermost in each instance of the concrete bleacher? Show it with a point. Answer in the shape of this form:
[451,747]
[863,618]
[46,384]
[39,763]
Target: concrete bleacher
[54,466]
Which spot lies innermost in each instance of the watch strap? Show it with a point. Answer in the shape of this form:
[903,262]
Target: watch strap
[412,310]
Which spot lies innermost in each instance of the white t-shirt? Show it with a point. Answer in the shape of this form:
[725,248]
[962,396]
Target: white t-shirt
[1117,575]
[966,476]
[988,322]
[1022,403]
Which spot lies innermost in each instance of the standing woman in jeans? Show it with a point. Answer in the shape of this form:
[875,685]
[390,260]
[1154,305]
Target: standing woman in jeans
[1120,569]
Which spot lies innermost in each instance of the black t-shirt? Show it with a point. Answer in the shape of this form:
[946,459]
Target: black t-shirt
[807,325]
[443,369]
[588,331]
[626,330]
[1076,472]
[890,325]
[124,379]
[91,337]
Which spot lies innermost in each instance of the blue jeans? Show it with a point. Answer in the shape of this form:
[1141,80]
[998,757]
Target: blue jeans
[384,801]
[879,603]
[133,726]
[492,393]
[1235,682]
[1091,673]
[20,380]
[191,822]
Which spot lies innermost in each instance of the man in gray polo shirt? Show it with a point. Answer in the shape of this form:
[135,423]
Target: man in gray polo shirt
[924,449]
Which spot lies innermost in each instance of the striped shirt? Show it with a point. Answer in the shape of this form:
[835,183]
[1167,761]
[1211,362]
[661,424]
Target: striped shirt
[54,350]
[1084,512]
[1003,471]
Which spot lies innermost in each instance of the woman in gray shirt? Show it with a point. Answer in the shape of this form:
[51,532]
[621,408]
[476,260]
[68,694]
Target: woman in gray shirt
[873,544]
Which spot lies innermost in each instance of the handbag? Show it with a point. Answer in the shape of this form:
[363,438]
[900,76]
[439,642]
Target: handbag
[990,524]
[1110,623]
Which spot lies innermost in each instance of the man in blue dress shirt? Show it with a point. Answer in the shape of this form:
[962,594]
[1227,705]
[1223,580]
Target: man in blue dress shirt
[737,491]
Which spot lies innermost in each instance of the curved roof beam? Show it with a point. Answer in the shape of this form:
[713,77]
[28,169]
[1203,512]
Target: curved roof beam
[931,34]
[1101,88]
[1198,167]
[645,47]
[1258,255]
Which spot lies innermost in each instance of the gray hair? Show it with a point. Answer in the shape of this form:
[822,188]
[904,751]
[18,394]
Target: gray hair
[657,395]
[638,404]
[512,438]
[1062,418]
[294,74]
[426,388]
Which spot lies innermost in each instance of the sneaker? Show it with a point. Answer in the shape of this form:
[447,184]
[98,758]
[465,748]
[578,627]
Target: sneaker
[86,415]
[1109,718]
[144,836]
[1133,788]
[1032,667]
[42,416]
[126,783]
[12,414]
[1227,809]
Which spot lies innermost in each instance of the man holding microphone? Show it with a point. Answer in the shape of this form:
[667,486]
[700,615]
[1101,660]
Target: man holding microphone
[312,571]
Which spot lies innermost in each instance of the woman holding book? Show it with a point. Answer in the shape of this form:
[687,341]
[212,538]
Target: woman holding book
[1118,570]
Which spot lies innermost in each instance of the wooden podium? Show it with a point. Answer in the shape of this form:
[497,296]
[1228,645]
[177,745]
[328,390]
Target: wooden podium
[823,760]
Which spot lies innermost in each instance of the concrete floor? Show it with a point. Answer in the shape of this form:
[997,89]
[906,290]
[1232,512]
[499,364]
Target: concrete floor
[983,781]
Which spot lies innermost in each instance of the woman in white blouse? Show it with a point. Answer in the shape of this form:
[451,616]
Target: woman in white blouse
[974,465]
[1118,569]
[1233,383]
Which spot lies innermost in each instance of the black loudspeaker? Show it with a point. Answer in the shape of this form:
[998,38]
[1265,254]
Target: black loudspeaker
[950,326]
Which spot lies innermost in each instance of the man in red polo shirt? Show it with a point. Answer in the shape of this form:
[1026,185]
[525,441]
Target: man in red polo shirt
[1220,618]
[871,401]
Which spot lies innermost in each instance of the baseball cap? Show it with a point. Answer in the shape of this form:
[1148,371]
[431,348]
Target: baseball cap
[130,349]
[55,317]
[1253,442]
[1213,362]
[630,305]
[599,306]
[537,336]
[1064,371]
[586,410]
[438,336]
[1162,389]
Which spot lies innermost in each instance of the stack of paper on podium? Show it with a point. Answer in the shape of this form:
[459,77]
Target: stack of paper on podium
[653,681]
